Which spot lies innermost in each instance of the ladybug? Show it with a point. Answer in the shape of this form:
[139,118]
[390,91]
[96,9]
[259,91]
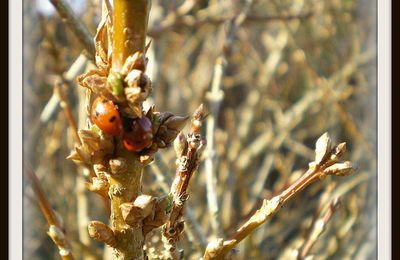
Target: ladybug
[138,134]
[106,116]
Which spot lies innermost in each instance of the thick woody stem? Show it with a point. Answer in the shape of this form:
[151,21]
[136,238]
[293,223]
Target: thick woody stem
[129,36]
[130,29]
[125,187]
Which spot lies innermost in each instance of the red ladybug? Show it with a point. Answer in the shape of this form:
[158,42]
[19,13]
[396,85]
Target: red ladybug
[106,116]
[138,134]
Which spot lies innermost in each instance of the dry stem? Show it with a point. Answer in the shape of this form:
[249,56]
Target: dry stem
[67,109]
[325,164]
[318,228]
[56,231]
[130,26]
[192,146]
[77,27]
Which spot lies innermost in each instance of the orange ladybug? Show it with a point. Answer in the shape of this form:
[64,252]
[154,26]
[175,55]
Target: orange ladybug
[138,134]
[106,116]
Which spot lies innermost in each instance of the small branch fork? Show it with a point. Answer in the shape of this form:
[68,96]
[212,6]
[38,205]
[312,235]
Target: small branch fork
[326,163]
[188,149]
[56,230]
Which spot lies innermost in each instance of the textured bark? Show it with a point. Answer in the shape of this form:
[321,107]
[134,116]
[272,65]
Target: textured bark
[125,187]
[130,27]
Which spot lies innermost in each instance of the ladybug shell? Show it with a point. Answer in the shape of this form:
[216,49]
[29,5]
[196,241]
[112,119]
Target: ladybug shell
[138,134]
[106,116]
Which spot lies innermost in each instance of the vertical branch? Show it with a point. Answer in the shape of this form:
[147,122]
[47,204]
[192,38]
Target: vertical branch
[215,96]
[67,109]
[188,149]
[82,203]
[130,29]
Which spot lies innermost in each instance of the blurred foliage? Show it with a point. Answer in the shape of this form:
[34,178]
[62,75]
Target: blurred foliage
[294,70]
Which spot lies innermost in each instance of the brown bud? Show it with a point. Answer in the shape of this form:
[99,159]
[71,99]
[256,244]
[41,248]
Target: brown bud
[176,123]
[101,232]
[94,81]
[339,150]
[56,234]
[163,116]
[90,138]
[84,153]
[134,212]
[136,61]
[95,145]
[169,128]
[180,145]
[166,135]
[132,94]
[98,83]
[100,170]
[98,186]
[118,165]
[322,148]
[198,117]
[214,247]
[74,155]
[160,215]
[340,169]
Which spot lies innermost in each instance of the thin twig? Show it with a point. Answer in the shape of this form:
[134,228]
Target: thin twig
[318,228]
[325,164]
[193,230]
[193,21]
[215,97]
[56,231]
[189,160]
[51,106]
[76,26]
[58,89]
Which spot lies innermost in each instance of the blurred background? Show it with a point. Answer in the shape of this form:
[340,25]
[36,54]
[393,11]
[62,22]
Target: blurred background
[274,76]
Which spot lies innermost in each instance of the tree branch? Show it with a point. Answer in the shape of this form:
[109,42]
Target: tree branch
[326,163]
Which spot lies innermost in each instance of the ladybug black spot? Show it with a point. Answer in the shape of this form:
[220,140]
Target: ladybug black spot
[97,114]
[112,119]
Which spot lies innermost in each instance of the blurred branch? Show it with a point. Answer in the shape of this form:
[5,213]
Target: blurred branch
[194,21]
[76,26]
[318,228]
[75,69]
[56,230]
[58,89]
[215,97]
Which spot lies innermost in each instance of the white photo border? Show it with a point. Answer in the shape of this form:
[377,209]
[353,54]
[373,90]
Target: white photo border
[384,130]
[15,245]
